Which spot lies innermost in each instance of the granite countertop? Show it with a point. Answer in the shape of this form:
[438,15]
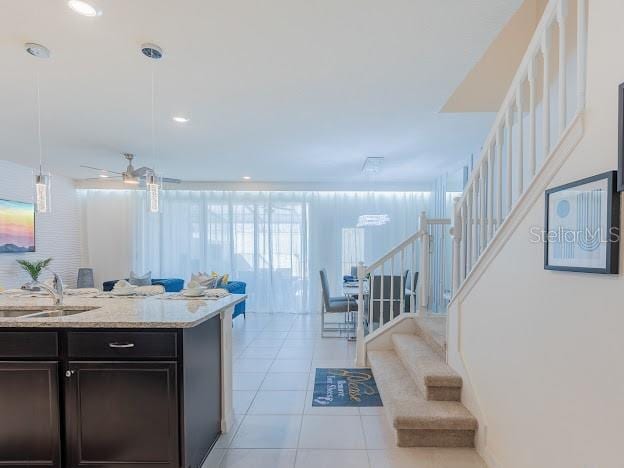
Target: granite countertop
[149,312]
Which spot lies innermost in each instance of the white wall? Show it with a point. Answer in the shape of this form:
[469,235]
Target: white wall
[57,234]
[542,350]
[107,234]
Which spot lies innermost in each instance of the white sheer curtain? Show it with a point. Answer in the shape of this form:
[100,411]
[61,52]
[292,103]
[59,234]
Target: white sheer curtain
[274,241]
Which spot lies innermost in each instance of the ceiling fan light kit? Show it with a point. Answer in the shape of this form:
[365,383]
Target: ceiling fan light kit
[129,179]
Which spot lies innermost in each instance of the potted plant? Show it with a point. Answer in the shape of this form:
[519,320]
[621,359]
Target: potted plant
[34,269]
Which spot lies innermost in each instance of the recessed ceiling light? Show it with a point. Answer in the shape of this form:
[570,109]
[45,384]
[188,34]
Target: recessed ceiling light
[83,8]
[180,119]
[104,175]
[247,177]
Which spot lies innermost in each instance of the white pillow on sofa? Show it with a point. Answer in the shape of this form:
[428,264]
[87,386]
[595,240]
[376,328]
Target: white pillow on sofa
[140,280]
[204,280]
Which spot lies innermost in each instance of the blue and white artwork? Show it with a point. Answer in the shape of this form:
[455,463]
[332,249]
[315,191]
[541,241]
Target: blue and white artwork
[577,226]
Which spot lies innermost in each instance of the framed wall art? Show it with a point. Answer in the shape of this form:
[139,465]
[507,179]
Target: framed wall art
[582,226]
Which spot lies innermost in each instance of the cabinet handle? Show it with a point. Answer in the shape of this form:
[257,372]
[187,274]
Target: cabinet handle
[69,373]
[121,345]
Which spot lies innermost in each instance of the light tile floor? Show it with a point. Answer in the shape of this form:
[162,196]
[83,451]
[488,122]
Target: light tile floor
[275,357]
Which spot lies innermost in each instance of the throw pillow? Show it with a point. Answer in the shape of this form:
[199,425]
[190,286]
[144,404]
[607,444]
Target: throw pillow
[140,280]
[204,280]
[222,280]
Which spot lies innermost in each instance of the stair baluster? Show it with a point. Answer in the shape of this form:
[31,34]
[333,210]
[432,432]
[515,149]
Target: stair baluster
[489,183]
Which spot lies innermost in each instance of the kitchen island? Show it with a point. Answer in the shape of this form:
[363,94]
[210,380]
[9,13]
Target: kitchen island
[114,382]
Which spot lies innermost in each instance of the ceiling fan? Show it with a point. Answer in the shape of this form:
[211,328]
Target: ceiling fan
[131,175]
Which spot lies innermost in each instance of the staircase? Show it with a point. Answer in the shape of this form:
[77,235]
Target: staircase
[421,393]
[406,348]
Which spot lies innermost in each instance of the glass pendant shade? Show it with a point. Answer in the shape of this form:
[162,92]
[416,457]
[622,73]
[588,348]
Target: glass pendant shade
[153,193]
[43,199]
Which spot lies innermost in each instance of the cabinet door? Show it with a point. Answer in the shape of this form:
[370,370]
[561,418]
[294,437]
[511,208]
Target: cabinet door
[122,414]
[29,414]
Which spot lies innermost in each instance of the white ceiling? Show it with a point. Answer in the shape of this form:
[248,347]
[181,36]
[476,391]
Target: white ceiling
[280,90]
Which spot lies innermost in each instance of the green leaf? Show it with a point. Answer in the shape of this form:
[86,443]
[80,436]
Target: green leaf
[34,269]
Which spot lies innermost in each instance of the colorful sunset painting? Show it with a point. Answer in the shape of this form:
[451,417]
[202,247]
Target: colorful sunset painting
[17,227]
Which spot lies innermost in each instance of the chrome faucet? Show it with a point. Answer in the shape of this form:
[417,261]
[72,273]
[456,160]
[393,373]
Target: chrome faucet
[57,289]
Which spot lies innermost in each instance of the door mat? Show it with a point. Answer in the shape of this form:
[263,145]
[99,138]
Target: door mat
[345,387]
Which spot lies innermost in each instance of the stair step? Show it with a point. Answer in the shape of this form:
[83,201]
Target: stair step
[419,422]
[433,330]
[435,379]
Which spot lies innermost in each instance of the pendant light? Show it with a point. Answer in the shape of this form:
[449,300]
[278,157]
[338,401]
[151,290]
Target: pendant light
[43,198]
[153,183]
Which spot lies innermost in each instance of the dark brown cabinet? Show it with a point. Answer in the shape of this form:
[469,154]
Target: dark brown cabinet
[110,398]
[29,413]
[122,414]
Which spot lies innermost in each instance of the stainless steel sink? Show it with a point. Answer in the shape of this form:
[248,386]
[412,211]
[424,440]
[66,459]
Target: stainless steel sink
[7,313]
[43,311]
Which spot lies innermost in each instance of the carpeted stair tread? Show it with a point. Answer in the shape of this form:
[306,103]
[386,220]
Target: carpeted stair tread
[424,365]
[405,405]
[433,331]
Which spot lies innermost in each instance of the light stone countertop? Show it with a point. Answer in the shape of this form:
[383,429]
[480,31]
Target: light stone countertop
[149,312]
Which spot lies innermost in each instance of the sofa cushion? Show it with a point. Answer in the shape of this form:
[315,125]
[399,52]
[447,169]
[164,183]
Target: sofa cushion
[170,284]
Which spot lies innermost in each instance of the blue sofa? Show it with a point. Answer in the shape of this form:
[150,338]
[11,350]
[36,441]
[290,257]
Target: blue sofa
[237,287]
[170,284]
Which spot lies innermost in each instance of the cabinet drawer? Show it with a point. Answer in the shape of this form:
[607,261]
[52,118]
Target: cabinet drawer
[28,344]
[107,344]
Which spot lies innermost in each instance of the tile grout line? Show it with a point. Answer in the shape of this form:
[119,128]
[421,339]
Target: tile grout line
[300,427]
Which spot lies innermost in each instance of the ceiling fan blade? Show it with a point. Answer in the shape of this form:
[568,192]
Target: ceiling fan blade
[171,181]
[101,170]
[142,171]
[103,178]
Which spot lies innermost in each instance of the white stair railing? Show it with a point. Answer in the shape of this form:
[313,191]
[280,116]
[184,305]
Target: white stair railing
[507,165]
[396,284]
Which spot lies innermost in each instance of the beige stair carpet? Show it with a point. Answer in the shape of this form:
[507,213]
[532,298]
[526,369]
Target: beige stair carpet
[419,422]
[434,377]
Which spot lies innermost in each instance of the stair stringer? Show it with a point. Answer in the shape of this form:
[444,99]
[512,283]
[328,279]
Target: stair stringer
[470,394]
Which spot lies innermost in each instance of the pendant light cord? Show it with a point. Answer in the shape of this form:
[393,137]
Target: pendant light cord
[39,125]
[153,122]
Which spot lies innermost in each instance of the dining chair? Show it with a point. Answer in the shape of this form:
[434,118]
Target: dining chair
[334,305]
[386,303]
[414,290]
